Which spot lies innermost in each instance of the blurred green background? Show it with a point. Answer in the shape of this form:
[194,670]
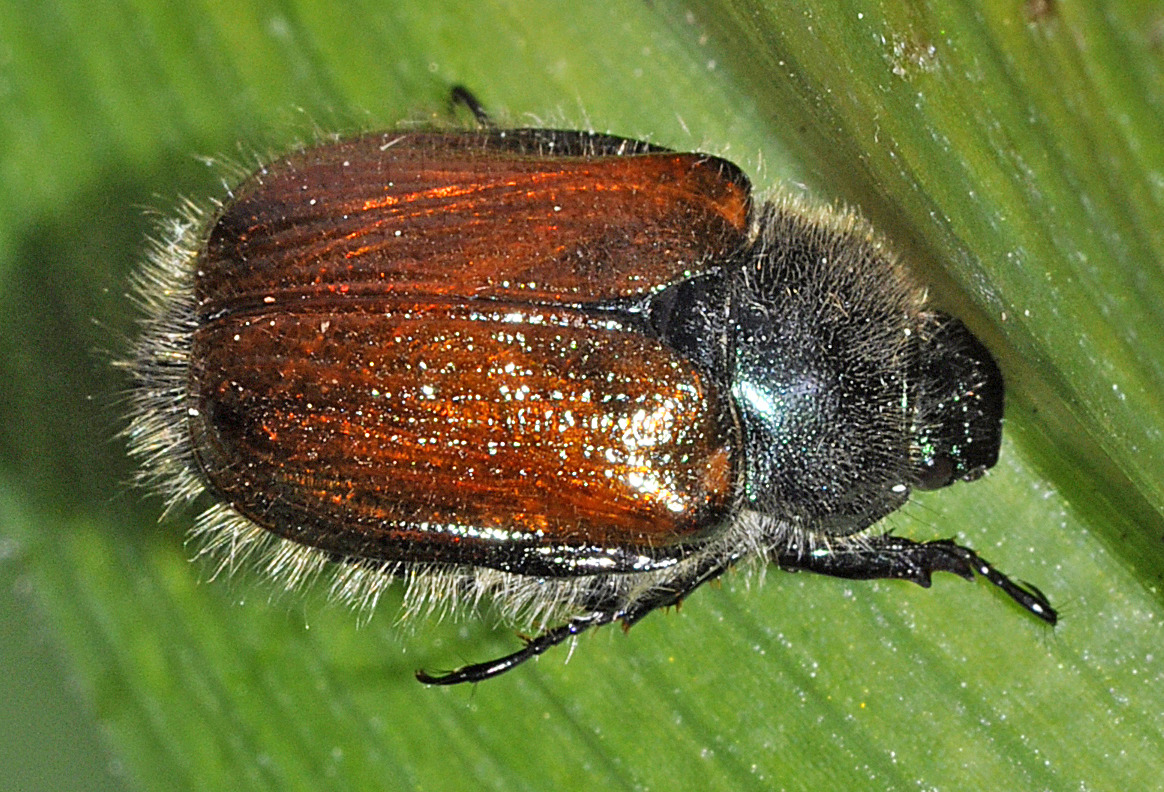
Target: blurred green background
[1012,151]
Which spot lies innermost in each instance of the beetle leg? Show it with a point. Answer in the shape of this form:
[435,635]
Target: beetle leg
[601,612]
[533,647]
[886,556]
[673,592]
[460,95]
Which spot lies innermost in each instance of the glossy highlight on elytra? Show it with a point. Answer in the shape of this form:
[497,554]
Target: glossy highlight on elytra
[572,374]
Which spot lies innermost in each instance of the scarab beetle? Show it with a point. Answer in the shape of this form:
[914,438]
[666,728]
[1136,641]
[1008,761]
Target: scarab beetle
[576,373]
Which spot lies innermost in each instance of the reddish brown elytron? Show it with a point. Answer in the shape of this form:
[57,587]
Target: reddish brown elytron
[474,216]
[449,352]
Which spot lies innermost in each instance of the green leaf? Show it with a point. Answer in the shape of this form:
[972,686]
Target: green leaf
[1011,152]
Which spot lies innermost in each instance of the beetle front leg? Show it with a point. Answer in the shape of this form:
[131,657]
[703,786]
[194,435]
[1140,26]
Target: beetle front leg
[886,556]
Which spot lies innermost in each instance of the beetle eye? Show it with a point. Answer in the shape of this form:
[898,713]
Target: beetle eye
[935,473]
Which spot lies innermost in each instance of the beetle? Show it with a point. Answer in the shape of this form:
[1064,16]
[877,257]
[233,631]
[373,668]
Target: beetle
[575,373]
